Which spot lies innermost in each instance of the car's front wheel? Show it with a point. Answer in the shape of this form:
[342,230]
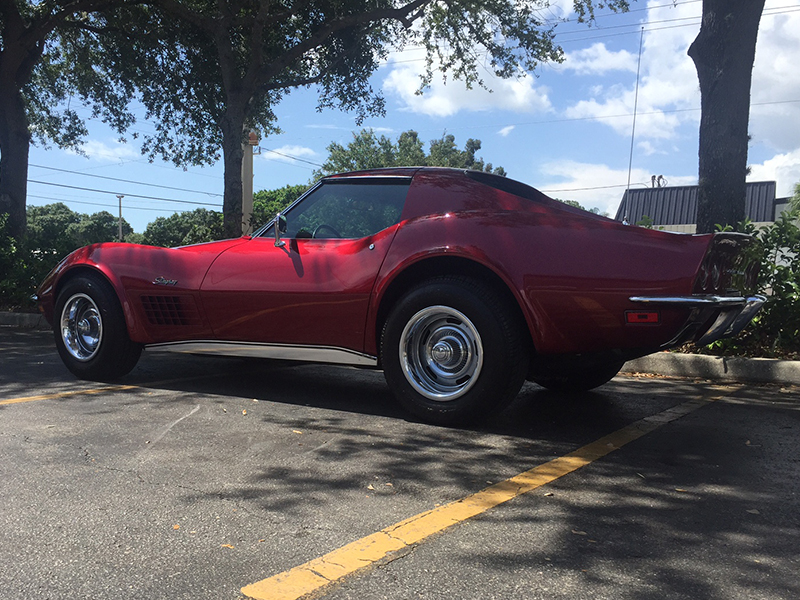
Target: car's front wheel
[90,332]
[452,350]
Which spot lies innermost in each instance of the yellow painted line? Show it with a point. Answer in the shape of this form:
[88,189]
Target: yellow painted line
[320,572]
[111,388]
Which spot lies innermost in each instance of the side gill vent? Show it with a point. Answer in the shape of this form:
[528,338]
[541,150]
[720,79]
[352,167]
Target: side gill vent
[170,310]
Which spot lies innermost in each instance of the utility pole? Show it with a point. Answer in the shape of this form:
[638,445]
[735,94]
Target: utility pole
[119,222]
[247,180]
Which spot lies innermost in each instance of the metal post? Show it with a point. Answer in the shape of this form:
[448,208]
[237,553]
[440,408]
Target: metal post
[119,221]
[247,181]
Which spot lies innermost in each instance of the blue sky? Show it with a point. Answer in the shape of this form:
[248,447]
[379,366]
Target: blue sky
[565,129]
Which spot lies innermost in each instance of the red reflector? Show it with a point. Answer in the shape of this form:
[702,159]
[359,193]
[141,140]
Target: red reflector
[642,316]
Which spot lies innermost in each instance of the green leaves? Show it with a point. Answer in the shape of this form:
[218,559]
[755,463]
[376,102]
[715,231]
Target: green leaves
[368,151]
[776,330]
[53,232]
[181,229]
[268,203]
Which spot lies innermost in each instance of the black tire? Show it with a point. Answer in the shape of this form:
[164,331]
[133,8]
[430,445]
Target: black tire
[577,376]
[452,351]
[90,331]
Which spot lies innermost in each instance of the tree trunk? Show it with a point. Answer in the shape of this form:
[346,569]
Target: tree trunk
[15,142]
[232,153]
[723,54]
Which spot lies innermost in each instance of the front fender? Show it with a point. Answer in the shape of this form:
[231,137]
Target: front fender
[136,272]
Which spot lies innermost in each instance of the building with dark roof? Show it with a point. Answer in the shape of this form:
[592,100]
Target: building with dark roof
[675,208]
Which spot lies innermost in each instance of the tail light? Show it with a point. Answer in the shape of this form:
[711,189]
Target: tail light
[727,266]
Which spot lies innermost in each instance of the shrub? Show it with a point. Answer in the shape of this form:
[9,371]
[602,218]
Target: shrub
[53,231]
[775,332]
[20,271]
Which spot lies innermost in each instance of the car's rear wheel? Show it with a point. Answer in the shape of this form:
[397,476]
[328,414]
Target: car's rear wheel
[577,376]
[90,332]
[452,350]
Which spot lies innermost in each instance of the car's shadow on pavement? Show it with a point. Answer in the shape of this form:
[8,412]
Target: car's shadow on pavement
[534,413]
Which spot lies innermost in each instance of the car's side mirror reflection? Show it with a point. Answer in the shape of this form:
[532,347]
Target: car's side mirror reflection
[280,227]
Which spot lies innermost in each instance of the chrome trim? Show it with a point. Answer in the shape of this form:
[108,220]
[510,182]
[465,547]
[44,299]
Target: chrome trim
[164,281]
[733,313]
[717,331]
[750,310]
[690,300]
[323,354]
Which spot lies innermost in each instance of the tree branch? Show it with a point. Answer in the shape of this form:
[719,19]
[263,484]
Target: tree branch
[318,38]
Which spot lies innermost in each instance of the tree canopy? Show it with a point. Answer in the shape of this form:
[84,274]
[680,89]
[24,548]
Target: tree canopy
[55,230]
[230,62]
[181,229]
[370,151]
[268,203]
[206,72]
[49,53]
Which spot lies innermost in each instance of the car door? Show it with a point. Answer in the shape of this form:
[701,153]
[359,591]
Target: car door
[311,288]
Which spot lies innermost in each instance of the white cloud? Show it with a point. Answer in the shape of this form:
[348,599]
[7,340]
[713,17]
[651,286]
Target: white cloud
[328,127]
[775,80]
[442,99]
[667,82]
[668,79]
[597,60]
[595,185]
[287,153]
[784,169]
[646,148]
[617,113]
[111,152]
[506,130]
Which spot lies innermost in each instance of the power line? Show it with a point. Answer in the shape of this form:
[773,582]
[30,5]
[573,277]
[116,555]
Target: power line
[166,187]
[614,13]
[292,157]
[169,210]
[648,25]
[605,117]
[74,187]
[778,10]
[587,189]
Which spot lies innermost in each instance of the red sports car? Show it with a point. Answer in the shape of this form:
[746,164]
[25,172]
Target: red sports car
[458,284]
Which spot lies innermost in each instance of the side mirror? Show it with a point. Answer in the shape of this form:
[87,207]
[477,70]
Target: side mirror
[280,227]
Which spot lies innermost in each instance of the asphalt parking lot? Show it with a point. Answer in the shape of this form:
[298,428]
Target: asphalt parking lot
[197,478]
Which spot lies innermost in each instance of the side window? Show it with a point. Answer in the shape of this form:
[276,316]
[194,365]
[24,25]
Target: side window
[348,209]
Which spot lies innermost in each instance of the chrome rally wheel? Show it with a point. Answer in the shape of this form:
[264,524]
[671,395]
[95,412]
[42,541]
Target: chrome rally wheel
[442,353]
[81,327]
[452,349]
[90,331]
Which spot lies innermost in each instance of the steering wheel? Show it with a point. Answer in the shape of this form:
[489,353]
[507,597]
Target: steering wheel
[322,226]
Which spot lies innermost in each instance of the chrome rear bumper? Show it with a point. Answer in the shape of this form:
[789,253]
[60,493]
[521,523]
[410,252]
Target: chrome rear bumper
[733,313]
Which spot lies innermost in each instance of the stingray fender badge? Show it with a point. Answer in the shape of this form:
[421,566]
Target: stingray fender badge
[164,281]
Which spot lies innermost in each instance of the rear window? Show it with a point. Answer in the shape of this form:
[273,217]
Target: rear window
[504,184]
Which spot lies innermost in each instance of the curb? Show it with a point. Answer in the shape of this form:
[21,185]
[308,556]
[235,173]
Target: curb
[24,321]
[720,368]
